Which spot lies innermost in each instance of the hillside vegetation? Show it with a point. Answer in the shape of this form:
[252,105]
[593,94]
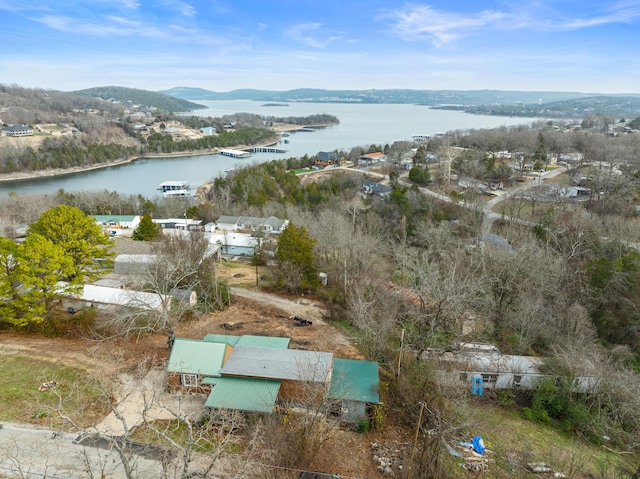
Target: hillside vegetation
[144,98]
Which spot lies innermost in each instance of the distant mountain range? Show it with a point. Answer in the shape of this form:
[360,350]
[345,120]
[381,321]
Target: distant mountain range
[145,98]
[488,102]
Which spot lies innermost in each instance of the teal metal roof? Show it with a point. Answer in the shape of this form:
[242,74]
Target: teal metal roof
[243,394]
[113,218]
[355,380]
[222,338]
[196,357]
[248,340]
[264,342]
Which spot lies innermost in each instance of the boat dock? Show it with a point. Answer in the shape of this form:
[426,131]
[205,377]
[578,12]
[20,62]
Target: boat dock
[235,153]
[267,149]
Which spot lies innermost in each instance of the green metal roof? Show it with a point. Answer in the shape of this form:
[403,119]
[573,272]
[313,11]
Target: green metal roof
[248,340]
[243,394]
[113,218]
[264,342]
[196,357]
[222,338]
[355,380]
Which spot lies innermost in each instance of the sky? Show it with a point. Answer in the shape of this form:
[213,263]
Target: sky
[222,45]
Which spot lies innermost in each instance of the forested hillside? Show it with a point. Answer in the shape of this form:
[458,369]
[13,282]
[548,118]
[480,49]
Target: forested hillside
[145,98]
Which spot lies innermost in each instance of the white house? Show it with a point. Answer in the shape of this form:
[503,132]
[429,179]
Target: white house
[118,222]
[493,370]
[270,225]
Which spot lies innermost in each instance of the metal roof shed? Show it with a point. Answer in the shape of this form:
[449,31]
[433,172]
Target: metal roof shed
[242,394]
[191,356]
[285,364]
[355,380]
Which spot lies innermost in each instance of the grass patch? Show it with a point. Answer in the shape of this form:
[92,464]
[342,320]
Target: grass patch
[20,378]
[232,265]
[517,442]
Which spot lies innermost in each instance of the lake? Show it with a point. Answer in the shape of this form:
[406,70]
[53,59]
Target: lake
[360,125]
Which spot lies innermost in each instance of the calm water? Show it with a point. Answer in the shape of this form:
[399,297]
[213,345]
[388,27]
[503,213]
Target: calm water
[360,125]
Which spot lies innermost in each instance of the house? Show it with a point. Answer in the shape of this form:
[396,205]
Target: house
[271,225]
[371,158]
[326,158]
[118,222]
[183,224]
[17,130]
[256,373]
[208,130]
[492,370]
[192,361]
[303,375]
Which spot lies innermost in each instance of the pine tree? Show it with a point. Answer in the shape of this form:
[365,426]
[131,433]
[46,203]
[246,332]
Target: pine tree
[147,230]
[295,256]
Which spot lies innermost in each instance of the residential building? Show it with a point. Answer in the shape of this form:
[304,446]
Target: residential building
[371,158]
[17,130]
[118,222]
[271,225]
[326,158]
[257,373]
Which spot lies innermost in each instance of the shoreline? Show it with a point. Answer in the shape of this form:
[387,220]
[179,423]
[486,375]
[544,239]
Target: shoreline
[34,175]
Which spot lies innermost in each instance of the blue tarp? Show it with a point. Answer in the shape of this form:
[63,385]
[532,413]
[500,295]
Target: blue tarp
[478,445]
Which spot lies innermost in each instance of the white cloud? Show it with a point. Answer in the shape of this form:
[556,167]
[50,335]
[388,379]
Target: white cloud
[423,22]
[303,33]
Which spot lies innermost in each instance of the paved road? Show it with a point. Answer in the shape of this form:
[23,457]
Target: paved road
[28,452]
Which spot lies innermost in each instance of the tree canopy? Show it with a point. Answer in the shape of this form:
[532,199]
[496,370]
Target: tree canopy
[80,237]
[31,277]
[295,256]
[147,230]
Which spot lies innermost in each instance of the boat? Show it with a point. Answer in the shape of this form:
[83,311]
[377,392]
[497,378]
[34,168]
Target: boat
[286,141]
[176,189]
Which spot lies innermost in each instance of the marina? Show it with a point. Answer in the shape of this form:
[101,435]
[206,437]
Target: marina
[267,149]
[235,153]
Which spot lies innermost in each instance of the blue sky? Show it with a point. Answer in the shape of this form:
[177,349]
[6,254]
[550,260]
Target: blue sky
[221,45]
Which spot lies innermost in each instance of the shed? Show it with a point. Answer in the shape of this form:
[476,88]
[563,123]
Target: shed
[191,361]
[242,394]
[354,386]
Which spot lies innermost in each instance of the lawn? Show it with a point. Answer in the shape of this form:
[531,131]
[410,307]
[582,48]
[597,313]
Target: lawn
[516,442]
[20,378]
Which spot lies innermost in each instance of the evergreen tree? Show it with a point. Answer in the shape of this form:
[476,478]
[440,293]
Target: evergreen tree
[295,257]
[80,237]
[32,275]
[147,230]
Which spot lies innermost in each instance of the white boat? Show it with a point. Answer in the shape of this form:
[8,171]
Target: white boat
[176,189]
